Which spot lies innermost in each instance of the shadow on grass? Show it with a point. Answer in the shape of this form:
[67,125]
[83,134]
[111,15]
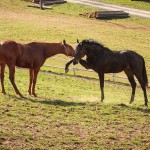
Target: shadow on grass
[113,18]
[48,101]
[71,103]
[67,104]
[16,97]
[58,102]
[144,109]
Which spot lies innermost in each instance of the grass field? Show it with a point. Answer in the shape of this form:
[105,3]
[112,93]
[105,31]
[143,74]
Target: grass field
[143,4]
[68,114]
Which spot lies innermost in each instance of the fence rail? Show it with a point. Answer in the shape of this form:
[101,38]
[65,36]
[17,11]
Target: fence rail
[75,70]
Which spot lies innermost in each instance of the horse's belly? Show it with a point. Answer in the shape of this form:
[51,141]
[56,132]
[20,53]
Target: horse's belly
[24,65]
[115,69]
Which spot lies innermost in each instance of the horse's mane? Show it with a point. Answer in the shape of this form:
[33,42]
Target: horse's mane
[93,42]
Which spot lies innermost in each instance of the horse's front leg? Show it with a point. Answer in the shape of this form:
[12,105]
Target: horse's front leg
[67,65]
[84,64]
[2,77]
[12,79]
[101,78]
[36,71]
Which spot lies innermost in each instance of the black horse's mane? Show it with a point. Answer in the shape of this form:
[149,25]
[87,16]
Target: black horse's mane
[93,42]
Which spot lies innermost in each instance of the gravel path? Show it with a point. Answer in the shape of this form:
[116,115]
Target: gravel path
[108,6]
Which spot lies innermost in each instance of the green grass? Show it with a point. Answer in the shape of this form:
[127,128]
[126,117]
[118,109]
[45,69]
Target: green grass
[68,114]
[133,4]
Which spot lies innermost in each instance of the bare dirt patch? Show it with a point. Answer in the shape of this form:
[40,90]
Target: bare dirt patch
[66,21]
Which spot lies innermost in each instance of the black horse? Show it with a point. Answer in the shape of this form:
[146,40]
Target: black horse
[103,60]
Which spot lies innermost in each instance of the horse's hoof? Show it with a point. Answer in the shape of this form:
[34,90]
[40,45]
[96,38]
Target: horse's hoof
[102,99]
[21,96]
[29,93]
[34,95]
[4,92]
[131,101]
[66,70]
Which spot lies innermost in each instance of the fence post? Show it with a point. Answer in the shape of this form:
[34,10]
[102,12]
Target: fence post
[74,70]
[113,76]
[41,4]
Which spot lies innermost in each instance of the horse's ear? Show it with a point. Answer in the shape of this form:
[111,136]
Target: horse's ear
[64,42]
[78,41]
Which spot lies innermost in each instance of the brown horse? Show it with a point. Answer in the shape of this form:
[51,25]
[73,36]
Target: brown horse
[103,60]
[31,56]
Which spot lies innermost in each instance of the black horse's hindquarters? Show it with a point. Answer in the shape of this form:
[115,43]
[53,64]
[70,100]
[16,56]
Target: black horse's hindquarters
[96,51]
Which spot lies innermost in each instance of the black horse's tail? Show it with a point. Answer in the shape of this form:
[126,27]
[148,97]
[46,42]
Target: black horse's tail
[144,73]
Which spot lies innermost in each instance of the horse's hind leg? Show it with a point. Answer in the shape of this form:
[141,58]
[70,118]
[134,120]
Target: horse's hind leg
[36,71]
[12,79]
[31,73]
[143,86]
[130,76]
[2,77]
[101,78]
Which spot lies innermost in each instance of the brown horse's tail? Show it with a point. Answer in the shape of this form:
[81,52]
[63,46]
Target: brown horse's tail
[144,73]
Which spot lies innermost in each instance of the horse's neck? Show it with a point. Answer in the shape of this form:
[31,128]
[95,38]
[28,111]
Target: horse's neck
[54,49]
[96,54]
[91,58]
[107,50]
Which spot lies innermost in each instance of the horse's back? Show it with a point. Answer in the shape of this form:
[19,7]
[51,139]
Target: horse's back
[118,61]
[32,55]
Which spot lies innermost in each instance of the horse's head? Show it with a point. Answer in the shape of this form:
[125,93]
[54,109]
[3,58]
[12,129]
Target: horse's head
[80,52]
[69,50]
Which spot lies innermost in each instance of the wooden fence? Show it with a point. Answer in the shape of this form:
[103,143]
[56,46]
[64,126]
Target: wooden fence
[76,70]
